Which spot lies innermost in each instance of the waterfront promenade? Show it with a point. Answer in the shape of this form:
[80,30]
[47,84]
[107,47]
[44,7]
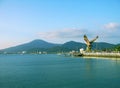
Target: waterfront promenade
[102,54]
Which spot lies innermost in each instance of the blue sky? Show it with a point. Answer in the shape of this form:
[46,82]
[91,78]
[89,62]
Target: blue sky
[58,21]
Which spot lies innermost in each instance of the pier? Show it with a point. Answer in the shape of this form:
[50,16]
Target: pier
[102,54]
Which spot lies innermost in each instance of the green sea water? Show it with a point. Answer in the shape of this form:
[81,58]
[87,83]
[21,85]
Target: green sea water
[53,71]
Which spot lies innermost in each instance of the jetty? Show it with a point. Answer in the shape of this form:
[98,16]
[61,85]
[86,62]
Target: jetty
[97,54]
[102,54]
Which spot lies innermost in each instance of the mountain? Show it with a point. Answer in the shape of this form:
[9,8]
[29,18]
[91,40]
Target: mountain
[74,45]
[102,45]
[95,46]
[41,46]
[68,46]
[35,44]
[116,47]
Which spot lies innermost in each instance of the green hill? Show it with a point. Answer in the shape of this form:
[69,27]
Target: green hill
[43,46]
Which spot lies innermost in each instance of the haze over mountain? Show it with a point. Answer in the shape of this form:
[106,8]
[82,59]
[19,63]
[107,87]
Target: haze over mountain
[41,45]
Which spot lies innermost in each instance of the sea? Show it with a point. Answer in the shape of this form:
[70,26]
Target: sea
[58,71]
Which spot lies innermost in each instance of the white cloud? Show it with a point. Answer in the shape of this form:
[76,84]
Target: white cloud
[60,36]
[109,33]
[66,33]
[112,26]
[63,35]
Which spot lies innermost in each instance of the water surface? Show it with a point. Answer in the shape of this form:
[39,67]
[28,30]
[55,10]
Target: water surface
[53,71]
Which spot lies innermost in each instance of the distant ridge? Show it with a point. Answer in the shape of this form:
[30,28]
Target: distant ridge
[102,45]
[72,45]
[30,45]
[41,45]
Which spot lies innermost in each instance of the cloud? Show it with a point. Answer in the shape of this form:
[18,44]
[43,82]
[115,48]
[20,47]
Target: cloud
[109,35]
[65,33]
[112,26]
[109,32]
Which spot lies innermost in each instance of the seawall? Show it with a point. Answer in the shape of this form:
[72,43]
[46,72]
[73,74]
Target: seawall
[102,54]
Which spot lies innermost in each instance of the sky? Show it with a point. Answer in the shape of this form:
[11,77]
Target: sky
[58,21]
